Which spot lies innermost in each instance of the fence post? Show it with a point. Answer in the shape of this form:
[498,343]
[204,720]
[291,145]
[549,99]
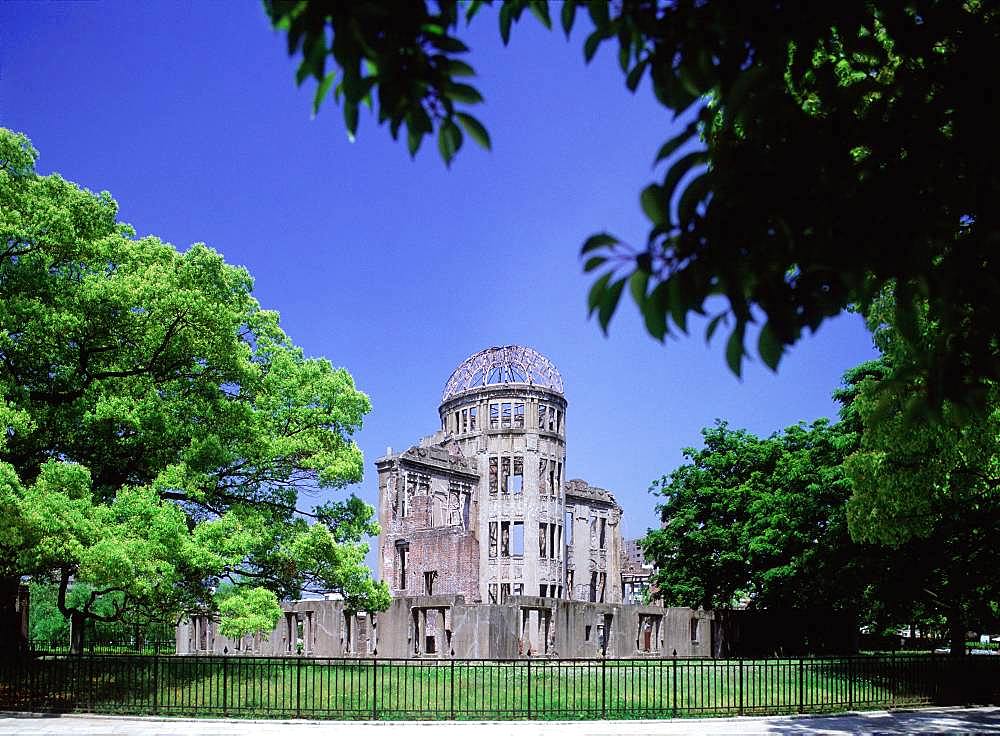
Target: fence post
[529,688]
[451,699]
[298,686]
[225,685]
[673,670]
[741,686]
[604,695]
[850,682]
[801,688]
[156,682]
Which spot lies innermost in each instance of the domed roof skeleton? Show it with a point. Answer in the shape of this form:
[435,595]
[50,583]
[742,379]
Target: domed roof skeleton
[500,365]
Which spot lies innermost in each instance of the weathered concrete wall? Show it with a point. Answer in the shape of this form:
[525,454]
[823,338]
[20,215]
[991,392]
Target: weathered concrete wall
[594,554]
[445,626]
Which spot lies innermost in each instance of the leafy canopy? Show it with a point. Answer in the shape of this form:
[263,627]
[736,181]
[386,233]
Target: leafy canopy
[832,148]
[157,427]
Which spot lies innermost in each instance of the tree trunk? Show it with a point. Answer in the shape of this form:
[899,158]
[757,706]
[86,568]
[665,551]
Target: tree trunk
[13,637]
[76,621]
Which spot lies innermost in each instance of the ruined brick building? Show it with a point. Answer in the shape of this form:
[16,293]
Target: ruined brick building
[482,508]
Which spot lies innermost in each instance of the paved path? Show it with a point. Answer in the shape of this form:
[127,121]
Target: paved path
[929,720]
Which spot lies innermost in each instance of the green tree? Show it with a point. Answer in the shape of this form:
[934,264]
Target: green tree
[928,484]
[760,519]
[158,425]
[254,613]
[833,148]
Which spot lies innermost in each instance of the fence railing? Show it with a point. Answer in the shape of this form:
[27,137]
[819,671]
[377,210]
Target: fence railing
[300,687]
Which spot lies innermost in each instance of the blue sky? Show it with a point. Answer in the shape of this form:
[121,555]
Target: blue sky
[187,112]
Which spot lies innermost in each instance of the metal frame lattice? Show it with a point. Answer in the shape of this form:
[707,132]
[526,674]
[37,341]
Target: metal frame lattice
[500,365]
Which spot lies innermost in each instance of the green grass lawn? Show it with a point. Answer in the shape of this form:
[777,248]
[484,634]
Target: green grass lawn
[274,687]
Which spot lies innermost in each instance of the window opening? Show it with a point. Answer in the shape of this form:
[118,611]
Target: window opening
[517,545]
[543,589]
[518,416]
[586,632]
[552,541]
[542,421]
[493,593]
[494,416]
[472,418]
[465,421]
[602,526]
[505,474]
[543,551]
[518,588]
[543,477]
[429,577]
[493,475]
[694,630]
[505,539]
[493,539]
[504,592]
[517,480]
[569,526]
[505,415]
[593,587]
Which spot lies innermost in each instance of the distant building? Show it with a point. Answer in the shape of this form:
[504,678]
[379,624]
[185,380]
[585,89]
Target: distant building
[636,574]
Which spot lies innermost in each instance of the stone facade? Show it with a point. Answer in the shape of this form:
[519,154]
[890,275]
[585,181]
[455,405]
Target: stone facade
[491,483]
[446,626]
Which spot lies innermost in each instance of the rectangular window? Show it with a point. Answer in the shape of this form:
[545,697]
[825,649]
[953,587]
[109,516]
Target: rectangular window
[553,488]
[505,474]
[694,631]
[517,544]
[518,416]
[602,536]
[494,416]
[569,526]
[473,411]
[465,421]
[493,539]
[493,475]
[542,410]
[558,484]
[602,583]
[518,588]
[504,592]
[552,541]
[586,633]
[505,539]
[517,480]
[559,417]
[593,529]
[542,537]
[505,415]
[423,485]
[401,553]
[493,593]
[456,421]
[542,590]
[593,587]
[429,578]
[569,584]
[543,473]
[552,419]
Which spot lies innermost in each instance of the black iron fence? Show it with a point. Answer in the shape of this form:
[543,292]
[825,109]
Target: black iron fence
[301,687]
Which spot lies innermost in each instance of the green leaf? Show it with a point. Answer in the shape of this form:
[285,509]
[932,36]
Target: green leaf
[594,262]
[734,349]
[591,44]
[463,93]
[677,302]
[654,311]
[769,347]
[322,89]
[597,292]
[599,14]
[540,9]
[568,15]
[677,172]
[609,303]
[693,194]
[475,129]
[654,204]
[676,142]
[637,284]
[635,76]
[506,16]
[449,141]
[458,68]
[448,44]
[600,240]
[351,118]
